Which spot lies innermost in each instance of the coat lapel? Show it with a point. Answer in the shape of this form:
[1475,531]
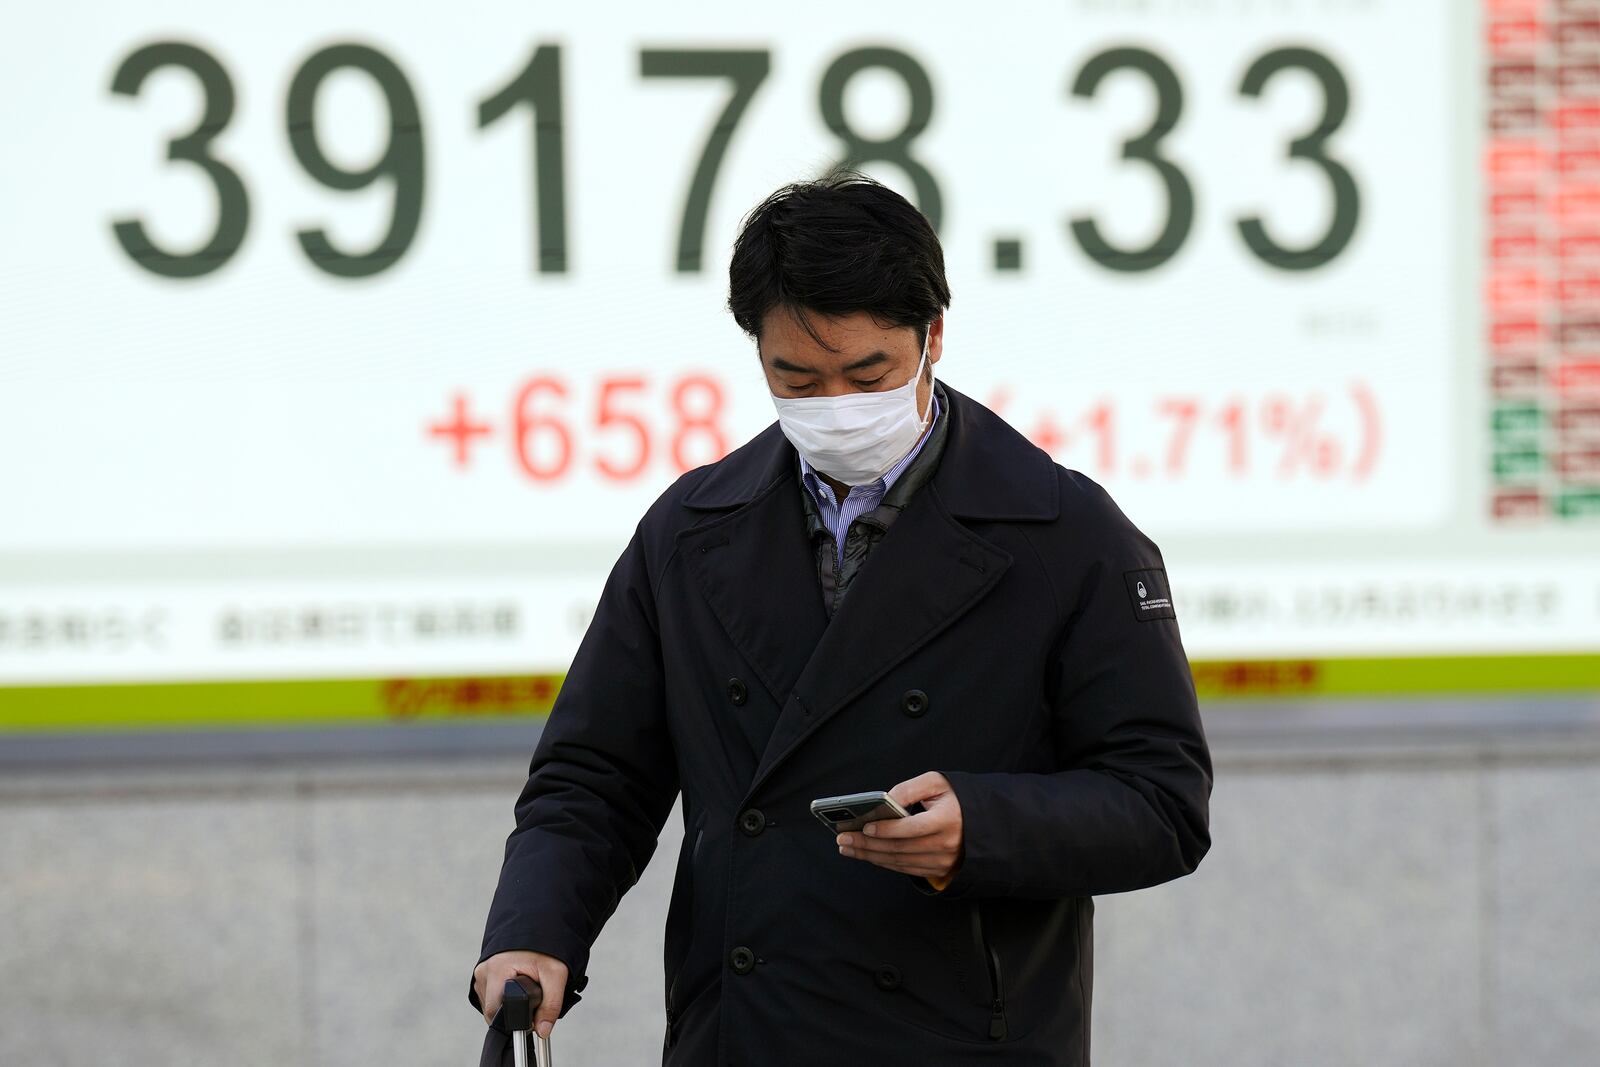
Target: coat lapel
[926,573]
[757,572]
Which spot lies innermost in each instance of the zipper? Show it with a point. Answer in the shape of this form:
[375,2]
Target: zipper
[991,959]
[835,554]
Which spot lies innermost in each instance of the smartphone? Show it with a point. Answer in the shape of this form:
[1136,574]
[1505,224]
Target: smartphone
[854,810]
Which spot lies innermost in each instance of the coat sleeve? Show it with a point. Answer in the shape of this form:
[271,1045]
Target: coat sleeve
[1128,807]
[600,786]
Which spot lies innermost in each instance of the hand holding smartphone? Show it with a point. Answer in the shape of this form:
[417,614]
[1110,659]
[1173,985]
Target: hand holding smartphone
[852,811]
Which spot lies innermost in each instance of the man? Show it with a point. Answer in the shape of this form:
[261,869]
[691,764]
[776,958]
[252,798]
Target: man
[889,586]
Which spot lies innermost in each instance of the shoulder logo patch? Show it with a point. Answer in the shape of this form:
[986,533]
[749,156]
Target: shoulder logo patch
[1151,596]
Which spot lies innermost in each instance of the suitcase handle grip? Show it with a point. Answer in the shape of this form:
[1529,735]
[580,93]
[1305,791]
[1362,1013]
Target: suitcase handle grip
[521,999]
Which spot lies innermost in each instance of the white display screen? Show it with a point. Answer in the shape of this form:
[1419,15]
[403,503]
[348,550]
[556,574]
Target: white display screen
[351,341]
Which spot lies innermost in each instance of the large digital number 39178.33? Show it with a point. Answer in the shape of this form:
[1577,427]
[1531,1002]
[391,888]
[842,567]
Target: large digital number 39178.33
[538,85]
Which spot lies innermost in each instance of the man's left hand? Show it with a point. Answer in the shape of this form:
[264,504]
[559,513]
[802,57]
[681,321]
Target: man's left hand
[927,844]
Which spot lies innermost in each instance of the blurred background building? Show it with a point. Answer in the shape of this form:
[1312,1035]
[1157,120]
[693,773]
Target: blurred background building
[342,345]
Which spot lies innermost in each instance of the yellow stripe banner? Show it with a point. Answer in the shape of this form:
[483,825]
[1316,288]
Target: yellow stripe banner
[345,702]
[1398,676]
[275,703]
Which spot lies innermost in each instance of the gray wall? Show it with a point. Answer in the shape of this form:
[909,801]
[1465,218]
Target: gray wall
[1414,898]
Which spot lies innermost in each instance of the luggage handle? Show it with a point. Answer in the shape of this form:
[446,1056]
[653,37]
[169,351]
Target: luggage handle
[521,999]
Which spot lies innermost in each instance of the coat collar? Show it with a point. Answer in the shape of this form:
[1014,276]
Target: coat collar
[988,471]
[758,573]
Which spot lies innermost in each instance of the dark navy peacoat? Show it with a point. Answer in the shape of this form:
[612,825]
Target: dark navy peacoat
[1013,630]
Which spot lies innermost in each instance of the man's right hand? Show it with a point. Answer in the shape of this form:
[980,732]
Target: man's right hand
[489,979]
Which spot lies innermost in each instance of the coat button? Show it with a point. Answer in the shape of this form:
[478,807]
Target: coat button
[743,960]
[887,977]
[752,822]
[914,703]
[737,691]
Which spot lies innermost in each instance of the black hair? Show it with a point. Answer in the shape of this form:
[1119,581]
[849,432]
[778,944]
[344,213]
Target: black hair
[837,244]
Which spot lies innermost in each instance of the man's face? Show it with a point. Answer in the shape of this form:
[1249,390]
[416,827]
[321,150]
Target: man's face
[866,359]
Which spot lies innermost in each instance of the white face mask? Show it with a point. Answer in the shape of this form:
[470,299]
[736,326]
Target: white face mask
[856,437]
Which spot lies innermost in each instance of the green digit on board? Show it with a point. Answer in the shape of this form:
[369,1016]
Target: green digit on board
[895,150]
[1147,149]
[233,205]
[1311,147]
[539,85]
[401,162]
[746,70]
